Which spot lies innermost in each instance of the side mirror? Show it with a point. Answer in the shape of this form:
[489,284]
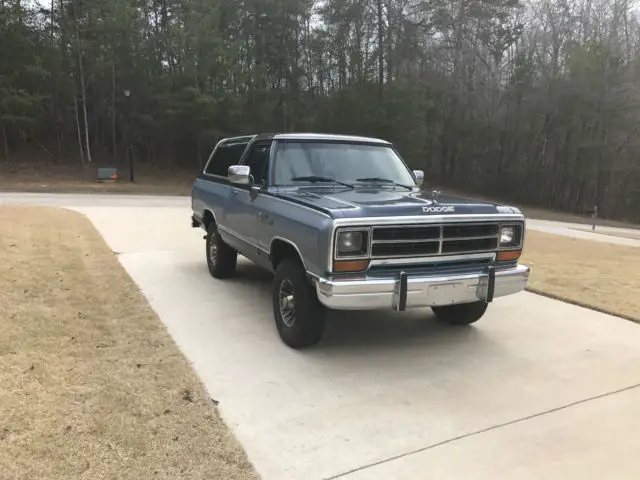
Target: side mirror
[239,174]
[419,174]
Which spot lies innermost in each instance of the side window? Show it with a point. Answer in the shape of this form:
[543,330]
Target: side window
[225,156]
[258,160]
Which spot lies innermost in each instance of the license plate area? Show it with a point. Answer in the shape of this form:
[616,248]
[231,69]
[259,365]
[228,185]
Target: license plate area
[447,293]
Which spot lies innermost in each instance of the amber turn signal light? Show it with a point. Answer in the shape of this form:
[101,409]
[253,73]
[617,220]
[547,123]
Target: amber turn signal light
[508,255]
[350,265]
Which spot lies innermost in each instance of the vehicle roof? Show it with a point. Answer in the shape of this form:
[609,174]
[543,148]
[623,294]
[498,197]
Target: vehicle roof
[326,137]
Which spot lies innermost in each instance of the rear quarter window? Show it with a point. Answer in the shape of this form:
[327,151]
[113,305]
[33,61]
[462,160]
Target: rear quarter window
[223,157]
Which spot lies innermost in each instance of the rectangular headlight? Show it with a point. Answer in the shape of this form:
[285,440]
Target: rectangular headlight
[511,236]
[352,243]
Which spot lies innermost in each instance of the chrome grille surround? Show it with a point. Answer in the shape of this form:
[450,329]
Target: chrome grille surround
[402,241]
[367,223]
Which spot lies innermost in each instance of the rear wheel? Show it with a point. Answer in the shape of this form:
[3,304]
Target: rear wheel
[221,258]
[461,314]
[299,316]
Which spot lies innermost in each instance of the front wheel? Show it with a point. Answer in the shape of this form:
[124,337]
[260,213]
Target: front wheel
[299,315]
[461,314]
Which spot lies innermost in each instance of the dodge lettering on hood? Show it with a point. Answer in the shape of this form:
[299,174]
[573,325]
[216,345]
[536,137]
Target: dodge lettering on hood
[344,224]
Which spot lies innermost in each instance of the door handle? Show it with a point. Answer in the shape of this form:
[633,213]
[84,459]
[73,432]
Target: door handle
[235,192]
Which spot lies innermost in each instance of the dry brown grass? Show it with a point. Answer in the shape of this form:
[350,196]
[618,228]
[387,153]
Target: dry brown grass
[92,386]
[594,274]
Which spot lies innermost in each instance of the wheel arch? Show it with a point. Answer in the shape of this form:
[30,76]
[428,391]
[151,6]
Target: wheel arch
[281,248]
[208,217]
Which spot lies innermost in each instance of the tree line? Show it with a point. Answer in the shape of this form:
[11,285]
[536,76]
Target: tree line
[534,101]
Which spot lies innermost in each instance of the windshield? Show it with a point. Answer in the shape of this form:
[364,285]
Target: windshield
[304,162]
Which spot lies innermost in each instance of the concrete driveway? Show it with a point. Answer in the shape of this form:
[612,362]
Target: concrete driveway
[537,389]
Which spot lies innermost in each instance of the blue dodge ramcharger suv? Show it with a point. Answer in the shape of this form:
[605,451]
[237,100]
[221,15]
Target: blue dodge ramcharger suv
[344,224]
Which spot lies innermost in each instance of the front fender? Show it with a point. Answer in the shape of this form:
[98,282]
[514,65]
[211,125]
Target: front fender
[308,230]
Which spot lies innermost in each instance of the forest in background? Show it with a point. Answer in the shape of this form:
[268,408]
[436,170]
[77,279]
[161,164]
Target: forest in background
[531,101]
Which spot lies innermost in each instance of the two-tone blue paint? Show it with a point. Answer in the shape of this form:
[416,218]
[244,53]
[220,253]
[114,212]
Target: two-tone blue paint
[252,219]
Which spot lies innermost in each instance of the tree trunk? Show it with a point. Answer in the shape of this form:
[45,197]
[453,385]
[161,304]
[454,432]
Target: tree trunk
[86,124]
[60,141]
[5,141]
[380,47]
[114,138]
[53,9]
[79,134]
[82,86]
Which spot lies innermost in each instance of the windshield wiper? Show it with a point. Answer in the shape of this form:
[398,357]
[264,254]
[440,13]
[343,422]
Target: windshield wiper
[317,179]
[382,180]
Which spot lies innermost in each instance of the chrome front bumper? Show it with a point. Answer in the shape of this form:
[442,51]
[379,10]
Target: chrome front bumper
[405,291]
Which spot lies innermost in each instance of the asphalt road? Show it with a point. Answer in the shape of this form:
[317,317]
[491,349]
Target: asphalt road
[537,389]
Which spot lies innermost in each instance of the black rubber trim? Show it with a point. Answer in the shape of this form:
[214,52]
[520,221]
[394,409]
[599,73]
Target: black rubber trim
[491,285]
[402,293]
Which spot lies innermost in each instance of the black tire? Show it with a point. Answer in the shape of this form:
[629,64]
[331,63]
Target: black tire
[461,314]
[306,326]
[221,258]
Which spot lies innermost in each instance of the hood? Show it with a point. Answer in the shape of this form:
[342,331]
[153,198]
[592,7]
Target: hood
[387,201]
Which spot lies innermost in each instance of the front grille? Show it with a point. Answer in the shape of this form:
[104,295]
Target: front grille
[404,249]
[421,240]
[474,245]
[461,231]
[404,233]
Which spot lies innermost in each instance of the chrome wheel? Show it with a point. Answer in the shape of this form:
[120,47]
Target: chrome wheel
[287,303]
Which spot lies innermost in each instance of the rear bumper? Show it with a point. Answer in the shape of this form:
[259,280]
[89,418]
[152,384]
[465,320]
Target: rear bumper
[404,292]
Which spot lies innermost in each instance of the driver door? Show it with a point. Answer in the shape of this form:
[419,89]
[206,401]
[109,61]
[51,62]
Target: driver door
[242,217]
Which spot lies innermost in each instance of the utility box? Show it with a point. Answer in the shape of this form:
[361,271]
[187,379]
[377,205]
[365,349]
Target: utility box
[108,175]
